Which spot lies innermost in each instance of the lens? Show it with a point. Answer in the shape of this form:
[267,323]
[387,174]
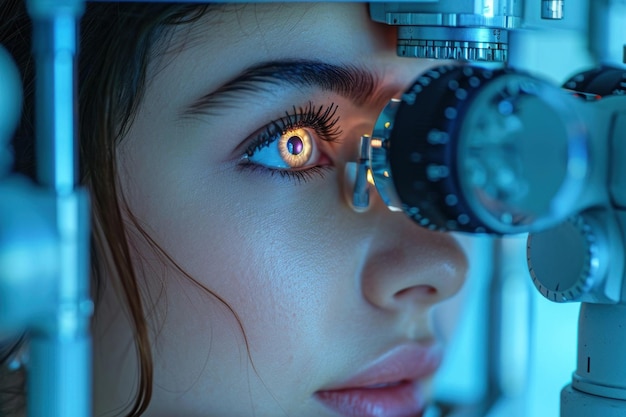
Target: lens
[481,151]
[521,154]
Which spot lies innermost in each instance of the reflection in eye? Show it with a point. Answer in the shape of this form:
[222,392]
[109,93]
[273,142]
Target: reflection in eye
[290,145]
[293,149]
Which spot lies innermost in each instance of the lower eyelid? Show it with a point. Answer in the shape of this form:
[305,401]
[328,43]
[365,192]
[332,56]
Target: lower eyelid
[299,176]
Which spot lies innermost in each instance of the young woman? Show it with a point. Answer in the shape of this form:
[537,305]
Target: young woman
[231,277]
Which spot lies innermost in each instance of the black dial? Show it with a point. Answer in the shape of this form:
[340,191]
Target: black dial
[423,146]
[485,151]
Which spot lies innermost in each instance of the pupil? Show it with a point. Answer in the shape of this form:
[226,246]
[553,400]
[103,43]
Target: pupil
[295,145]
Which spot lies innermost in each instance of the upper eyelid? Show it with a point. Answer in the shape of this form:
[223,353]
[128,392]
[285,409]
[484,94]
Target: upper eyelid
[320,118]
[324,118]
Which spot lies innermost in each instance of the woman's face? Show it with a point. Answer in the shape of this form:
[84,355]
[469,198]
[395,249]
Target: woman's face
[291,303]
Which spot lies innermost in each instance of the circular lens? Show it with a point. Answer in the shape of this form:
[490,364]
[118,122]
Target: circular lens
[519,153]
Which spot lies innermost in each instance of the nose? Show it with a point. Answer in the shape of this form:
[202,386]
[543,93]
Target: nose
[409,266]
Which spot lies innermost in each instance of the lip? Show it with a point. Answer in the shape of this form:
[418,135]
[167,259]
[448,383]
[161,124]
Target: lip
[389,387]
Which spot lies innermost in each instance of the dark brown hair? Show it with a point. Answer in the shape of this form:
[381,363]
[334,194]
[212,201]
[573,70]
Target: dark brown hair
[117,42]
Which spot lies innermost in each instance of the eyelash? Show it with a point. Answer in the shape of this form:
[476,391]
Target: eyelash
[322,120]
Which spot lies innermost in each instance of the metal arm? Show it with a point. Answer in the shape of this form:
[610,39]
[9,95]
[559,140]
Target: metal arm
[60,372]
[44,285]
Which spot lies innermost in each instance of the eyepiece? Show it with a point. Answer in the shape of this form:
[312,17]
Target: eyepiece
[482,151]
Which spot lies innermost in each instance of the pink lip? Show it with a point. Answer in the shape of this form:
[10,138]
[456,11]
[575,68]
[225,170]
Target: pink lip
[388,387]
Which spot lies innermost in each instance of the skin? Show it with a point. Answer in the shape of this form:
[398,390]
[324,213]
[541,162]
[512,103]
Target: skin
[320,290]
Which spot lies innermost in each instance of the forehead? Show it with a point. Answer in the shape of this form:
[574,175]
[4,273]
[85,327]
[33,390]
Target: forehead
[271,25]
[233,37]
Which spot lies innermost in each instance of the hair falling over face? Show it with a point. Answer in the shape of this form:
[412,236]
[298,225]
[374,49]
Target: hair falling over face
[116,44]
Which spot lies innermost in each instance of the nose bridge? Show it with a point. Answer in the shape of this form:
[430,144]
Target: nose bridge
[408,265]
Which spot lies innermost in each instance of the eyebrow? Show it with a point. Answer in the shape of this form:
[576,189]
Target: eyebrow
[354,83]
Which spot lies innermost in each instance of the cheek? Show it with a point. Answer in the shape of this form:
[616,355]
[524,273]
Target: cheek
[266,253]
[263,248]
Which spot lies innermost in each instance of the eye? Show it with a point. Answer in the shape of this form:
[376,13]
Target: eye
[293,149]
[291,145]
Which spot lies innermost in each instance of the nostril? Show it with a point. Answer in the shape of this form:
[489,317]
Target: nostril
[417,293]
